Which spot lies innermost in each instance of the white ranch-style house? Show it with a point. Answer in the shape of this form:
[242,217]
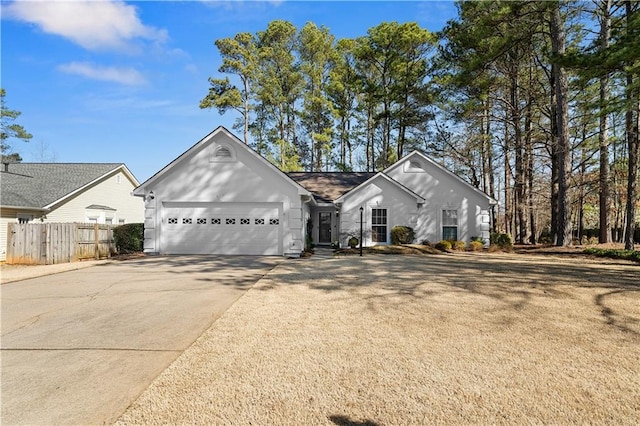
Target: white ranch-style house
[222,197]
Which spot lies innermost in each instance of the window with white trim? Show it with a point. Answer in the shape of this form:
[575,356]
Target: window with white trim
[379,225]
[450,225]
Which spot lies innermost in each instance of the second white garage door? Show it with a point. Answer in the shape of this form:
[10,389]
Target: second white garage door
[221,228]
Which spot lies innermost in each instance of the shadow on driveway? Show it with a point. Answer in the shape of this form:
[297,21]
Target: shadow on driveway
[78,347]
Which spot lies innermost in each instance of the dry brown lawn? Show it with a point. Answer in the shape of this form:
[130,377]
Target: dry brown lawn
[398,340]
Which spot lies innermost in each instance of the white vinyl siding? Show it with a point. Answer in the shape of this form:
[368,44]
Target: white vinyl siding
[105,193]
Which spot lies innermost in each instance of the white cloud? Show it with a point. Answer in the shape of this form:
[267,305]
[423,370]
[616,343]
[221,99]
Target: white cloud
[126,76]
[93,25]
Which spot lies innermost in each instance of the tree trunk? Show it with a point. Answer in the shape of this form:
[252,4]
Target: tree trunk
[508,215]
[520,228]
[558,41]
[603,131]
[632,119]
[246,110]
[581,198]
[527,183]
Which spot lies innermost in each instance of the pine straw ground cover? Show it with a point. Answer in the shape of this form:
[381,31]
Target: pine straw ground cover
[447,339]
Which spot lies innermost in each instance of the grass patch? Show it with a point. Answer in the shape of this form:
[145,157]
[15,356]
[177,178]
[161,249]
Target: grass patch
[614,253]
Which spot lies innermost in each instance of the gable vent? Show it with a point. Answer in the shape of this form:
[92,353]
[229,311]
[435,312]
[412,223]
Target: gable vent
[223,152]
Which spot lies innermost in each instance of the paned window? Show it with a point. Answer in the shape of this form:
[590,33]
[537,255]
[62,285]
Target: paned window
[258,221]
[230,221]
[450,225]
[187,221]
[216,221]
[379,225]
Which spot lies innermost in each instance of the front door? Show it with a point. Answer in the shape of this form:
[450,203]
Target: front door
[324,228]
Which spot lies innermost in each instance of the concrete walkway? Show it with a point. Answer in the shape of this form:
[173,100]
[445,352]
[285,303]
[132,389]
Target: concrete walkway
[79,346]
[322,253]
[12,273]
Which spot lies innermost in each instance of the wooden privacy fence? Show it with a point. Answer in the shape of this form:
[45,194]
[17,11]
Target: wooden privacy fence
[50,243]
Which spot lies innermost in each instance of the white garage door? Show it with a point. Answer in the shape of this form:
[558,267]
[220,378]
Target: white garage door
[242,228]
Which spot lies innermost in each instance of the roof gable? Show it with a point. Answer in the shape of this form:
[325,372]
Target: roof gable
[431,162]
[227,153]
[382,175]
[41,185]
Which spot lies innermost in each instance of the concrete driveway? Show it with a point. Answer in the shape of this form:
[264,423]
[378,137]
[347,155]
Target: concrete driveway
[78,347]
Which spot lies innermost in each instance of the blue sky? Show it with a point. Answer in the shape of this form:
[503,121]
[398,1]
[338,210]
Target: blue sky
[115,81]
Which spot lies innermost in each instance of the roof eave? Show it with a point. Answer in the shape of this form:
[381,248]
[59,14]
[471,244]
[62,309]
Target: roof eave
[38,209]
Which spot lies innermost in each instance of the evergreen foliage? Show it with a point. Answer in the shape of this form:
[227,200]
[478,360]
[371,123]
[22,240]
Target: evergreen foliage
[402,235]
[129,238]
[534,103]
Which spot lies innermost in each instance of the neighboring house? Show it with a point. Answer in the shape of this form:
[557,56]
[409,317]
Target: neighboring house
[67,192]
[221,197]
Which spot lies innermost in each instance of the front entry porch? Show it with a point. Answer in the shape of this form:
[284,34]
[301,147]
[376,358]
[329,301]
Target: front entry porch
[326,224]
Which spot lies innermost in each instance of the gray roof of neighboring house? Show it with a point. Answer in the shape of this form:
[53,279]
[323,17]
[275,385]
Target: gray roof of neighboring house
[329,186]
[36,185]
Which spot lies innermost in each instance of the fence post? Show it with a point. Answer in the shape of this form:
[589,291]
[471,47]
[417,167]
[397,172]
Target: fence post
[96,236]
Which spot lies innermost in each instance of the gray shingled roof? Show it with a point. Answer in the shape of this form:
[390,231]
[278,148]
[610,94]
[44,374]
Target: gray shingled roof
[329,186]
[36,185]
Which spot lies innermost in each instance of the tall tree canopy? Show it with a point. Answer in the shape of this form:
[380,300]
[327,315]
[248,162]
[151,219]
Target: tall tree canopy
[9,129]
[535,103]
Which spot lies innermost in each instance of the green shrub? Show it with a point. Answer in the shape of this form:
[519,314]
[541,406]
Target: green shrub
[476,246]
[309,245]
[402,235]
[458,245]
[353,242]
[614,254]
[503,241]
[478,239]
[129,238]
[444,245]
